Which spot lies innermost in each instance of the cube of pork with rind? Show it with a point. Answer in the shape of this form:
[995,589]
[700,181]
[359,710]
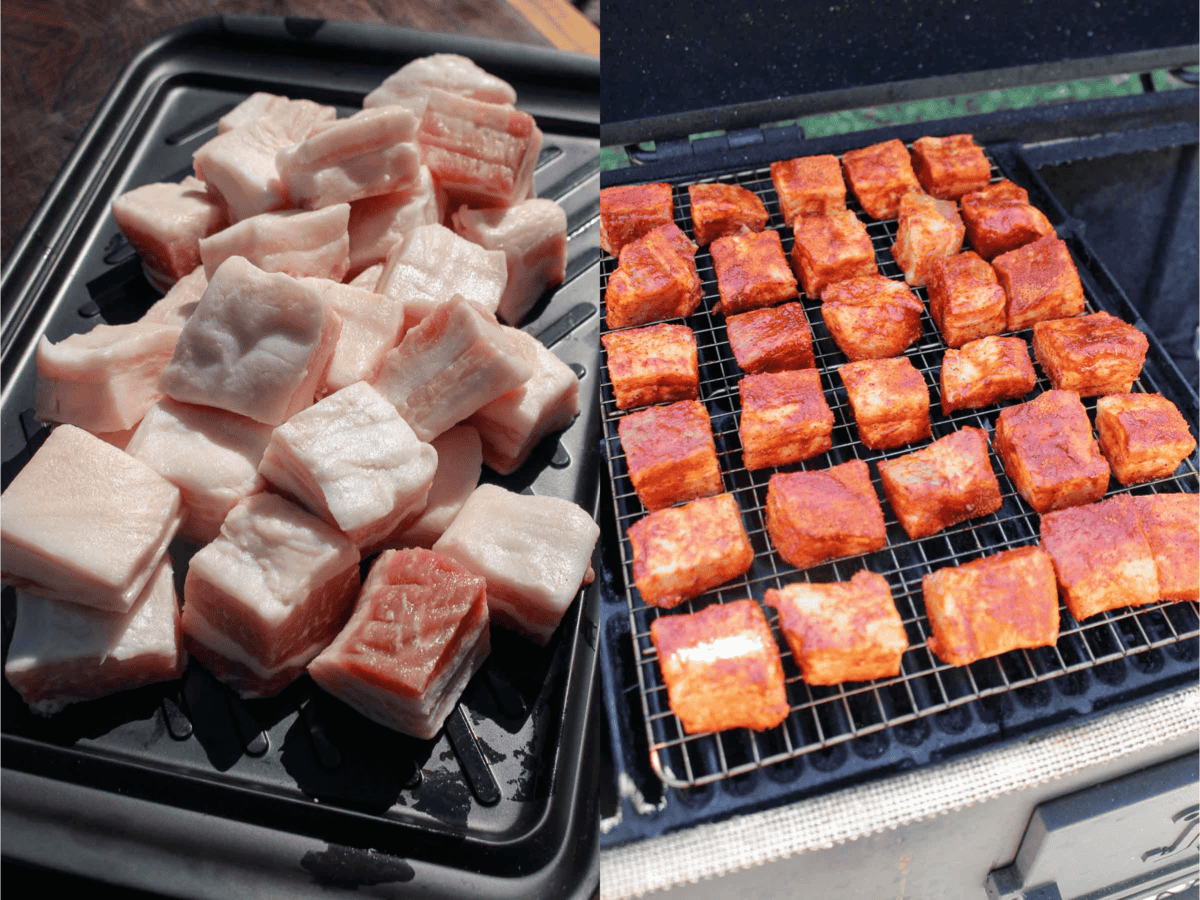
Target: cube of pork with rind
[1000,218]
[991,605]
[1171,524]
[257,345]
[1101,557]
[808,186]
[372,324]
[262,104]
[752,271]
[871,317]
[722,209]
[844,631]
[722,668]
[655,279]
[104,379]
[291,241]
[830,248]
[880,175]
[379,223]
[631,211]
[966,301]
[670,453]
[655,364]
[785,418]
[85,522]
[447,71]
[1048,451]
[943,484]
[459,462]
[164,222]
[1090,355]
[928,229]
[535,553]
[889,399]
[177,306]
[1143,436]
[824,514]
[418,632]
[950,166]
[771,340]
[986,371]
[1040,282]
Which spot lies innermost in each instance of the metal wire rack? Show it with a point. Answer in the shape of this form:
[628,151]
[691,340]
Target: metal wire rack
[820,718]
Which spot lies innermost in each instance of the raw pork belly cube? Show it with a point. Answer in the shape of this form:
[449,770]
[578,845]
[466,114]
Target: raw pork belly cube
[1048,451]
[291,241]
[844,631]
[368,278]
[991,605]
[655,279]
[459,462]
[352,460]
[164,223]
[1090,355]
[752,271]
[824,514]
[670,453]
[928,229]
[1171,524]
[808,186]
[950,166]
[943,484]
[535,553]
[105,379]
[872,317]
[721,209]
[986,371]
[86,522]
[210,454]
[966,301]
[889,400]
[268,595]
[177,306]
[379,223]
[285,337]
[533,236]
[830,248]
[1101,556]
[447,71]
[722,668]
[785,418]
[1040,282]
[1143,436]
[372,324]
[263,105]
[880,175]
[418,632]
[631,211]
[63,653]
[457,360]
[655,364]
[771,340]
[1000,218]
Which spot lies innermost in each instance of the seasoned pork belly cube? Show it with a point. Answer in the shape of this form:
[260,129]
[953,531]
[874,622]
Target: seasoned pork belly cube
[1000,218]
[1143,436]
[533,236]
[418,632]
[262,104]
[844,631]
[824,514]
[991,605]
[986,371]
[372,324]
[1171,524]
[631,211]
[771,340]
[535,552]
[457,360]
[1040,282]
[257,345]
[62,653]
[889,400]
[164,223]
[655,279]
[379,223]
[268,595]
[950,166]
[785,418]
[105,379]
[752,271]
[871,317]
[459,462]
[670,453]
[291,241]
[1090,355]
[85,522]
[722,209]
[1101,557]
[655,364]
[966,301]
[880,175]
[1048,451]
[722,668]
[177,306]
[808,186]
[830,248]
[928,229]
[447,71]
[943,484]
[210,454]
[683,551]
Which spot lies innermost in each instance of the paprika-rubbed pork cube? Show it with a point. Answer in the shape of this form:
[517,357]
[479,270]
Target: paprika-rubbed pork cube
[928,229]
[950,166]
[1143,436]
[808,186]
[655,279]
[1171,524]
[1090,355]
[999,218]
[830,248]
[880,175]
[771,340]
[631,211]
[752,271]
[986,371]
[966,301]
[723,209]
[785,418]
[670,453]
[889,400]
[655,364]
[872,317]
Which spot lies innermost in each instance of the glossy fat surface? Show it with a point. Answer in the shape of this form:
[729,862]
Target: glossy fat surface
[629,212]
[654,364]
[808,186]
[966,301]
[785,418]
[296,242]
[445,71]
[928,229]
[655,279]
[880,175]
[830,248]
[771,340]
[872,317]
[1143,436]
[1090,355]
[752,271]
[986,371]
[723,209]
[670,453]
[950,166]
[889,399]
[1171,524]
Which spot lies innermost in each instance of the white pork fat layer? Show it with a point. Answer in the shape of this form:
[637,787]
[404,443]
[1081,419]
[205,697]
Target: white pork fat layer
[459,462]
[296,242]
